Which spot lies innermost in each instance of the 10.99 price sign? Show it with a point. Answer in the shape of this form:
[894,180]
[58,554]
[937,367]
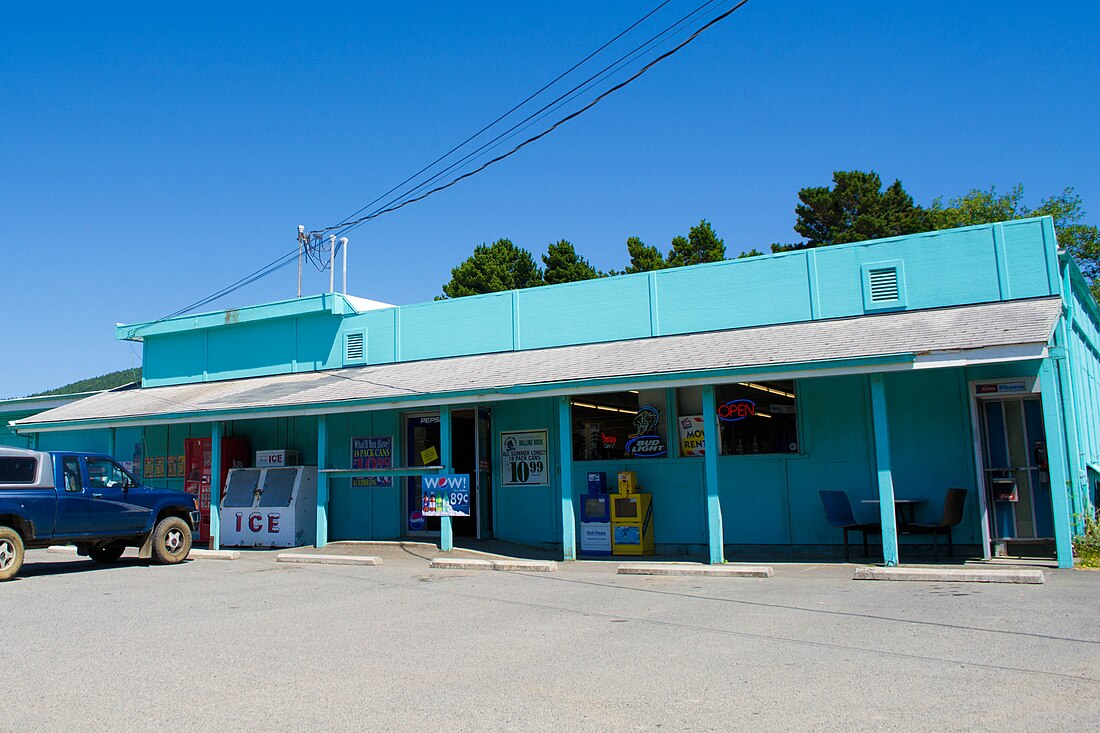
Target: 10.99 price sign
[524,458]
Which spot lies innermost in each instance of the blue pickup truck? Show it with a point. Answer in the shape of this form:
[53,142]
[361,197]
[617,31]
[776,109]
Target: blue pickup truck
[88,500]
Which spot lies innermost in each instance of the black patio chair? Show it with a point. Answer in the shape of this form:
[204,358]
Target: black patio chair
[953,505]
[838,513]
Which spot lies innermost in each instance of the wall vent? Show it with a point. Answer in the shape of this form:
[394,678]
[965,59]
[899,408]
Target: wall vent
[884,284]
[355,347]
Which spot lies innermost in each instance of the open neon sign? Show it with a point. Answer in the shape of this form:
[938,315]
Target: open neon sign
[735,410]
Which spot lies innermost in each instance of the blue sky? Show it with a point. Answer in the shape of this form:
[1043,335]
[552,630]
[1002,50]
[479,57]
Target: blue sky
[151,153]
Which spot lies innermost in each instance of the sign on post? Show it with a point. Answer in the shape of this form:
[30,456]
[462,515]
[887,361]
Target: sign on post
[445,496]
[374,452]
[524,458]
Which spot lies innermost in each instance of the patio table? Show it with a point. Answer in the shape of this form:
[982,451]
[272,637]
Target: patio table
[906,509]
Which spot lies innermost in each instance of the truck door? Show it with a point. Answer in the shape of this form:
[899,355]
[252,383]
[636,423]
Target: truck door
[116,506]
[75,505]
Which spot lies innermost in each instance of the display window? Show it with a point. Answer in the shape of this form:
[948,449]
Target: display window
[757,417]
[617,425]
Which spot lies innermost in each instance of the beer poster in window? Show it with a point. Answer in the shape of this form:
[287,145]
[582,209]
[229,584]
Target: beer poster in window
[524,458]
[374,452]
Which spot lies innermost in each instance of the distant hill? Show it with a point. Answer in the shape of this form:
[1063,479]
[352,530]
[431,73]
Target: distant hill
[106,381]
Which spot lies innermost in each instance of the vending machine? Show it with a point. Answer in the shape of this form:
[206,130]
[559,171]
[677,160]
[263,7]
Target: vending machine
[270,507]
[632,524]
[197,459]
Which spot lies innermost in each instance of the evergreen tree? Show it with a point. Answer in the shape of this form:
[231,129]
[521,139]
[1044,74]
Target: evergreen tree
[856,208]
[701,245]
[564,265]
[493,268]
[643,258]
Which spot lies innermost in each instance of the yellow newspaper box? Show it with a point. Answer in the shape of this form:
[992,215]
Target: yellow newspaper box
[628,482]
[631,524]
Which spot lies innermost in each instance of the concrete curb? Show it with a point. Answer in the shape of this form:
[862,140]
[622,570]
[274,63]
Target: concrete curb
[311,559]
[464,563]
[951,575]
[678,569]
[197,554]
[61,549]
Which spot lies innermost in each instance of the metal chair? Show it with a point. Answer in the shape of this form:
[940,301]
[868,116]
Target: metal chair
[838,513]
[953,505]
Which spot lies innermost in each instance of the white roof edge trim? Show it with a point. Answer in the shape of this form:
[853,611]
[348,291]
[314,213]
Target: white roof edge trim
[987,355]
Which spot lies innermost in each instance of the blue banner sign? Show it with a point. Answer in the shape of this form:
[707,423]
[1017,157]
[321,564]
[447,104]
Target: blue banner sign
[445,496]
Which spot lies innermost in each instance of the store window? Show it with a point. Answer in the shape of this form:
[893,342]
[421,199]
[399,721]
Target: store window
[757,417]
[616,425]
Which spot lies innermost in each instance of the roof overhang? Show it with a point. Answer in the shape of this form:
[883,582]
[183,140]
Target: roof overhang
[907,340]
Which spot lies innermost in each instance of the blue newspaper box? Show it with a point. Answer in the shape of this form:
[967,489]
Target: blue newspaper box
[595,524]
[597,482]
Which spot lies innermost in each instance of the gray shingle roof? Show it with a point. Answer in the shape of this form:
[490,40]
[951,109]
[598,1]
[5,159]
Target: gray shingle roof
[957,328]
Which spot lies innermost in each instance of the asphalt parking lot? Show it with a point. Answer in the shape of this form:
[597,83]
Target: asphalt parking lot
[252,645]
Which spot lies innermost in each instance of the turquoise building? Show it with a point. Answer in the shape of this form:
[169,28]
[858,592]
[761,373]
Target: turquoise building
[892,370]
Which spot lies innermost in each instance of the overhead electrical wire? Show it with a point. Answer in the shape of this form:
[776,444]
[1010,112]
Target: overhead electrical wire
[544,133]
[531,119]
[313,244]
[546,86]
[528,121]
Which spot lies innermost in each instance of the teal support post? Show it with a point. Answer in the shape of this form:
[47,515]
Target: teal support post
[885,475]
[322,482]
[715,538]
[215,486]
[565,450]
[446,534]
[1056,463]
[111,442]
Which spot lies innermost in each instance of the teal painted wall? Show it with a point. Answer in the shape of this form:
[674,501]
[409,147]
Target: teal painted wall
[363,513]
[8,437]
[952,267]
[527,514]
[773,499]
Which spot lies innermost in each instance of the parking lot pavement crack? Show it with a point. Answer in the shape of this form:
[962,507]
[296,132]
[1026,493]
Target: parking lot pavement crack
[823,611]
[427,588]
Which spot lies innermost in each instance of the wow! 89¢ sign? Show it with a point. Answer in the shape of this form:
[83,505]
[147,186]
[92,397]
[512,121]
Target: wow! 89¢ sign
[524,458]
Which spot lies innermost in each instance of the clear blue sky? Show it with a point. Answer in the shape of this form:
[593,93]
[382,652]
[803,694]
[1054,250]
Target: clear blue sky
[151,154]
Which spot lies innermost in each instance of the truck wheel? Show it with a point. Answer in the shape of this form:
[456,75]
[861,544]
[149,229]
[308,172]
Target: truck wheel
[171,540]
[106,553]
[11,553]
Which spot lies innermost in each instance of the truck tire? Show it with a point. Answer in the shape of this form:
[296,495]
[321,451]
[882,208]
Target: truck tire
[11,553]
[106,553]
[171,540]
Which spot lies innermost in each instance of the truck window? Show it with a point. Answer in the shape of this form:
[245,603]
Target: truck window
[72,473]
[17,470]
[104,474]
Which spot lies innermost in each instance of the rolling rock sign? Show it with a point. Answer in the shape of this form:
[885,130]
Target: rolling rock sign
[645,443]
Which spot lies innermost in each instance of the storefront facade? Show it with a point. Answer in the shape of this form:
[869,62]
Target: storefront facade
[890,369]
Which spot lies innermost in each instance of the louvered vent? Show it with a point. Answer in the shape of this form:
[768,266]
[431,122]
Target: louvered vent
[884,284]
[354,349]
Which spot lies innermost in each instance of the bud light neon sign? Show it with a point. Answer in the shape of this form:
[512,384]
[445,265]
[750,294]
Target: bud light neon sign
[735,410]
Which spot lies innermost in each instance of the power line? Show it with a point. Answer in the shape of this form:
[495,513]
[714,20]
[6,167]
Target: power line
[313,240]
[531,119]
[546,86]
[558,101]
[546,132]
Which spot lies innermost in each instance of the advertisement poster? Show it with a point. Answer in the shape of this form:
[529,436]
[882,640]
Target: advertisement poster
[375,451]
[524,458]
[446,496]
[158,467]
[691,436]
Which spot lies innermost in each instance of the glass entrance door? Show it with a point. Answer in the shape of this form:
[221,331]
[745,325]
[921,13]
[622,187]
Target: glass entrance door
[470,454]
[1015,468]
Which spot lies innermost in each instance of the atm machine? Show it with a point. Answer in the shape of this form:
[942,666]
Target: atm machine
[270,507]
